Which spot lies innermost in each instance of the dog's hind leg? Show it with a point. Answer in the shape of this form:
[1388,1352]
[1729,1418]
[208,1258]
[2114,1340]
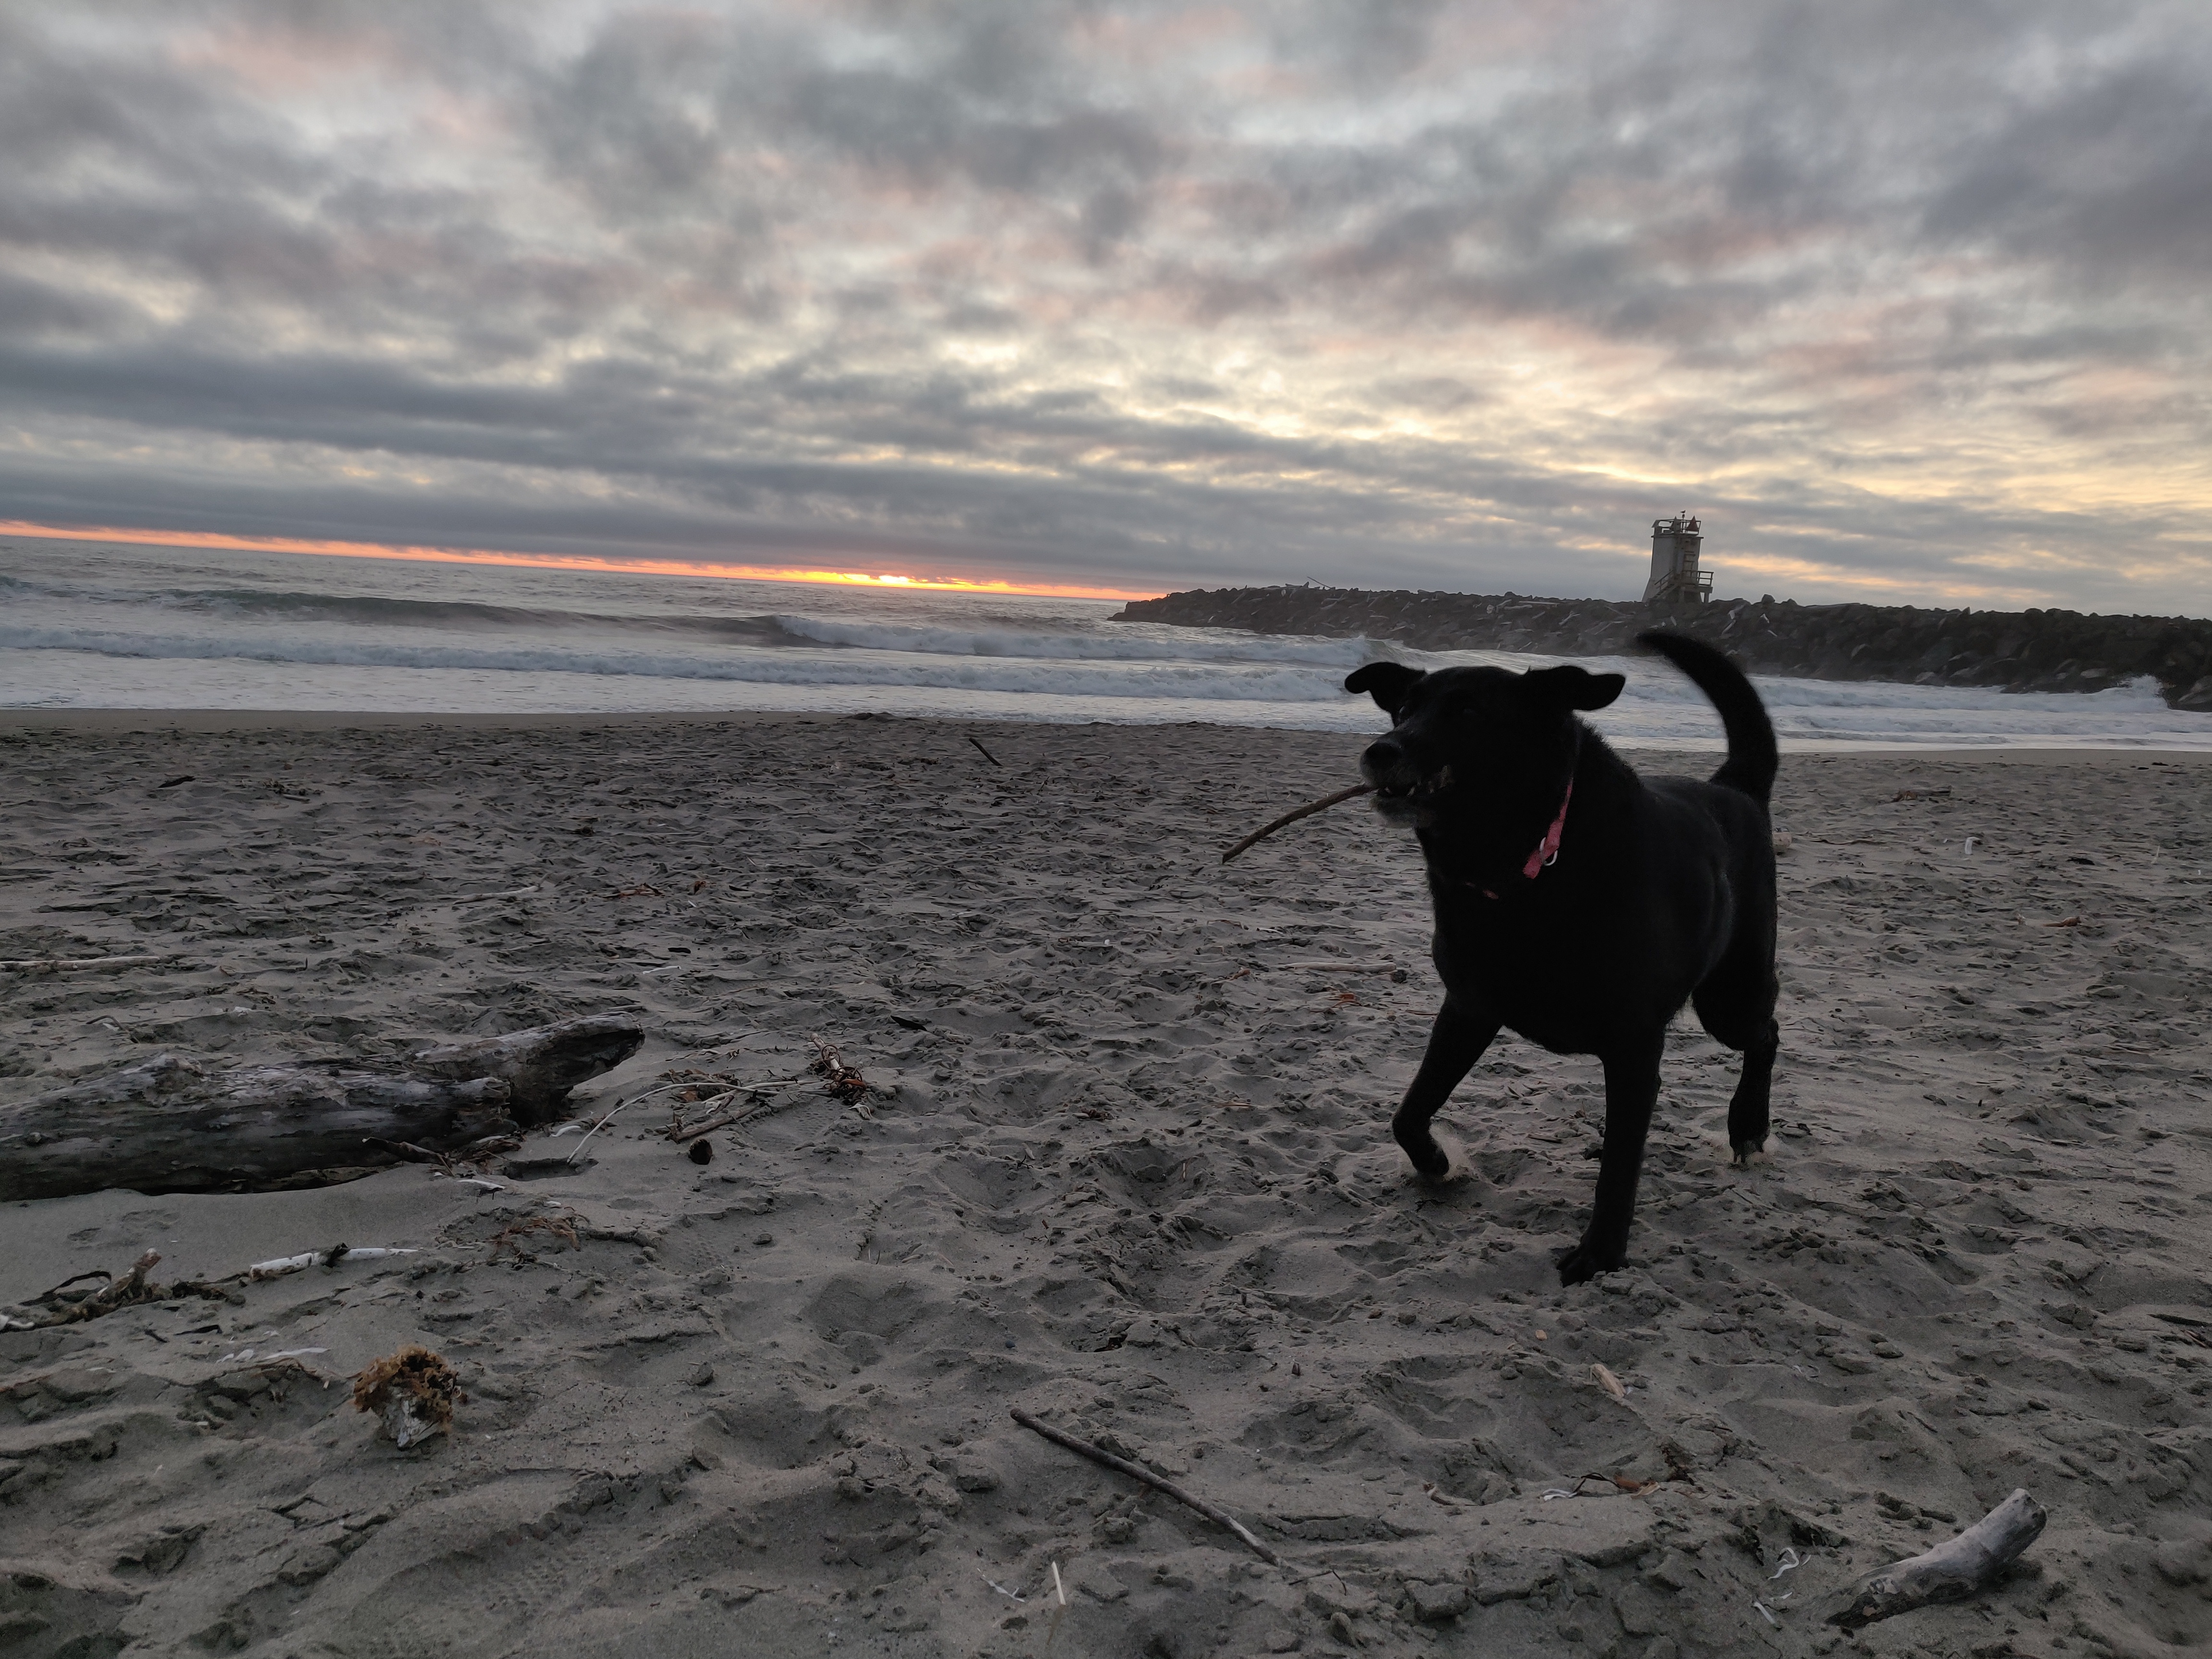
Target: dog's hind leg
[1742,1018]
[1747,1108]
[1631,1090]
[1456,1043]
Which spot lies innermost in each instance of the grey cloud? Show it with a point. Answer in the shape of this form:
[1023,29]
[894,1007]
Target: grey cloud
[1366,43]
[990,283]
[922,128]
[60,110]
[2112,180]
[1784,135]
[634,119]
[30,309]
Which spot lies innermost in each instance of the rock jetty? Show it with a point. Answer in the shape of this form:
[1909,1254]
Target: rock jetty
[2016,650]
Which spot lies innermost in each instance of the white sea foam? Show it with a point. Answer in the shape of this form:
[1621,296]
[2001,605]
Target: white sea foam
[1138,643]
[91,625]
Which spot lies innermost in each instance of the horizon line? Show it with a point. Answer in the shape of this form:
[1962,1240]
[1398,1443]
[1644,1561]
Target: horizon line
[580,561]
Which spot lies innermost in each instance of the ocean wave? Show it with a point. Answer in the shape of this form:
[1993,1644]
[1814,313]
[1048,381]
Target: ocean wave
[987,635]
[1124,642]
[1657,705]
[468,616]
[1241,682]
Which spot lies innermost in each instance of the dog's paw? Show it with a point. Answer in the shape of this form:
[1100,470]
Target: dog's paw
[1584,1262]
[1442,1163]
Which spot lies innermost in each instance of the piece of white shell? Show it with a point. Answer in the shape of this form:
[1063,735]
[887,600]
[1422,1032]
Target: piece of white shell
[403,1424]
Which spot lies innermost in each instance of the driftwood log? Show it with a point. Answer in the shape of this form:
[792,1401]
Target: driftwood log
[1954,1571]
[539,1066]
[174,1125]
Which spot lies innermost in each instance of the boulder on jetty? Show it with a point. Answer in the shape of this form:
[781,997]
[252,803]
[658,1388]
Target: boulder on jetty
[2015,650]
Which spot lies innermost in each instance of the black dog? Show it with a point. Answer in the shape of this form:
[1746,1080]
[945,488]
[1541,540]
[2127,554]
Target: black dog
[1578,904]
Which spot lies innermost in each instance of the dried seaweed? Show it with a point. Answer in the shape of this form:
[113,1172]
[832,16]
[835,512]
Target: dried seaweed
[414,1391]
[842,1080]
[508,1237]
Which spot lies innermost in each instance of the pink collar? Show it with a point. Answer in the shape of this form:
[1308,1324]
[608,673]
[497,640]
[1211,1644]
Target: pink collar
[1547,850]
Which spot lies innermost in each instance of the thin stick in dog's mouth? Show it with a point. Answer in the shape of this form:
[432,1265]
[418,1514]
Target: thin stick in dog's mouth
[1305,811]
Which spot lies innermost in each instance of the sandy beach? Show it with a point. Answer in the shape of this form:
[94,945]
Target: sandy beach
[1124,1165]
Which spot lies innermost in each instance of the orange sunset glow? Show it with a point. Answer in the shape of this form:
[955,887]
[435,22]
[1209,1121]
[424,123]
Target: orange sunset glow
[564,562]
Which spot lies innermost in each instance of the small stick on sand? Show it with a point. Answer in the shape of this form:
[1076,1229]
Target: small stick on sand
[330,1258]
[1953,1571]
[1100,1456]
[1305,811]
[596,1127]
[65,964]
[1059,1612]
[987,754]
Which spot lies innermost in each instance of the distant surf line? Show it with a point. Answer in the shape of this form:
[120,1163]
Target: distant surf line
[241,544]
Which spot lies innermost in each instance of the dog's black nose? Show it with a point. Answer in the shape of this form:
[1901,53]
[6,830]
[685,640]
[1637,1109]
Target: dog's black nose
[1384,764]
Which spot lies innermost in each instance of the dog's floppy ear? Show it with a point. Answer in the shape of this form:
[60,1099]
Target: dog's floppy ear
[1388,683]
[1575,688]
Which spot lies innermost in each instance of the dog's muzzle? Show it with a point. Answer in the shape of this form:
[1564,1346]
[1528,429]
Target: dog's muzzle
[1403,792]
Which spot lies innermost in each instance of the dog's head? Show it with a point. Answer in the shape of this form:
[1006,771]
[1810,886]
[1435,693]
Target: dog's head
[1476,747]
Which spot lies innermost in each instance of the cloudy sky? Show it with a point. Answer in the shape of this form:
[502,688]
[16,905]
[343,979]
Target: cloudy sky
[1909,302]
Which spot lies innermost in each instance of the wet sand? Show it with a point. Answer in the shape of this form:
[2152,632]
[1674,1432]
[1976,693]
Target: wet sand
[1126,1166]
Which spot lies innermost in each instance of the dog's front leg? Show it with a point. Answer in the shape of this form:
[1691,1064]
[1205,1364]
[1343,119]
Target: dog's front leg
[1631,1090]
[1456,1043]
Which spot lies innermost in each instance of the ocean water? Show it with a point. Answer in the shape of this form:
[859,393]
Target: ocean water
[100,625]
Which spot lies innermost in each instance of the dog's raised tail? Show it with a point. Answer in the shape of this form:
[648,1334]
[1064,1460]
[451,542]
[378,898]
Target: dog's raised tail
[1753,759]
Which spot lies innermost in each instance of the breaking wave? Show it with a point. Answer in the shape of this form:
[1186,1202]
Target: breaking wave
[798,663]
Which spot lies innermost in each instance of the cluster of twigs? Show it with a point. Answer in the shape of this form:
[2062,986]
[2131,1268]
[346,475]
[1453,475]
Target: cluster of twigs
[730,1103]
[134,1287]
[59,1306]
[719,1096]
[62,1309]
